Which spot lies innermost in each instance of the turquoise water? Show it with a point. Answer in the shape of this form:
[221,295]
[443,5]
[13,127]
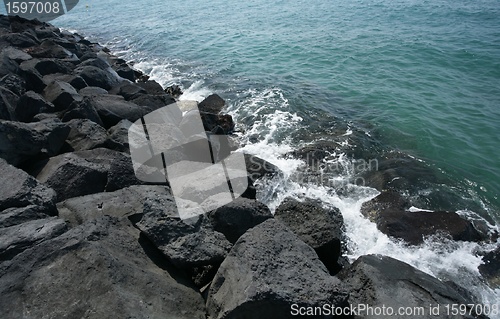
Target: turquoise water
[423,76]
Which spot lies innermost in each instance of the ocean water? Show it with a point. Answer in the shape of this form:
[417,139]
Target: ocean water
[373,79]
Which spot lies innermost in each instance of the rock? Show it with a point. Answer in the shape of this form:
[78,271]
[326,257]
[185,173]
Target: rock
[102,269]
[490,269]
[96,62]
[86,135]
[389,211]
[153,101]
[152,87]
[7,65]
[249,283]
[258,168]
[18,215]
[8,102]
[46,66]
[212,104]
[174,91]
[127,202]
[191,245]
[61,94]
[126,72]
[20,142]
[217,123]
[92,90]
[75,81]
[23,190]
[82,110]
[113,108]
[15,239]
[49,49]
[118,137]
[14,83]
[377,280]
[235,218]
[130,91]
[88,172]
[30,104]
[18,40]
[16,55]
[320,228]
[97,77]
[32,78]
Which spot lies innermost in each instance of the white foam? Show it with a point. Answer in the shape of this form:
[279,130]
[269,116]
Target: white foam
[196,92]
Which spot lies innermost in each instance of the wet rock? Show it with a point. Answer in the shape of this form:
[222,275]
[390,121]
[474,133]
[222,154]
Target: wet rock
[20,142]
[15,239]
[490,269]
[126,72]
[389,211]
[249,283]
[86,135]
[113,108]
[235,218]
[102,269]
[174,91]
[82,110]
[320,228]
[212,104]
[217,123]
[18,215]
[152,87]
[153,102]
[23,190]
[30,104]
[130,91]
[190,244]
[61,94]
[97,77]
[258,168]
[118,137]
[377,280]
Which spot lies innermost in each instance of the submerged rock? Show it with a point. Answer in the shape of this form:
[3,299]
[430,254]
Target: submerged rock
[490,269]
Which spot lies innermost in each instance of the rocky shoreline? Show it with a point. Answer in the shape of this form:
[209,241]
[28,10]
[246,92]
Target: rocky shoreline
[82,237]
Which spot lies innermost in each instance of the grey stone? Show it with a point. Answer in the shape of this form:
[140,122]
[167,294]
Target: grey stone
[30,104]
[113,108]
[18,215]
[95,76]
[118,137]
[61,94]
[86,135]
[267,271]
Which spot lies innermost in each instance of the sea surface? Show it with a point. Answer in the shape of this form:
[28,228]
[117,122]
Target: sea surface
[370,79]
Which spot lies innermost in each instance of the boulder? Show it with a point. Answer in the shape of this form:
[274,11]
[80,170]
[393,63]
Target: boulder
[15,239]
[20,142]
[92,90]
[320,228]
[82,110]
[127,202]
[191,245]
[18,40]
[32,78]
[217,123]
[30,104]
[86,135]
[8,102]
[16,55]
[97,77]
[235,218]
[102,269]
[174,91]
[126,72]
[212,104]
[152,87]
[377,281]
[46,66]
[490,269]
[153,101]
[129,91]
[118,137]
[250,281]
[75,81]
[14,83]
[88,172]
[113,108]
[23,190]
[389,211]
[50,49]
[95,62]
[259,168]
[18,215]
[61,94]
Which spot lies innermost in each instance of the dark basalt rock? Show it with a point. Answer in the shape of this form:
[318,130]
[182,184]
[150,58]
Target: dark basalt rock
[174,91]
[320,228]
[15,55]
[46,66]
[153,102]
[97,77]
[8,102]
[190,244]
[23,190]
[19,40]
[20,142]
[96,62]
[82,110]
[126,72]
[490,269]
[113,108]
[75,81]
[61,94]
[118,137]
[235,218]
[86,135]
[49,49]
[377,280]
[212,104]
[258,168]
[102,269]
[129,91]
[152,87]
[33,78]
[389,211]
[16,239]
[92,90]
[217,123]
[18,215]
[14,83]
[250,281]
[31,104]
